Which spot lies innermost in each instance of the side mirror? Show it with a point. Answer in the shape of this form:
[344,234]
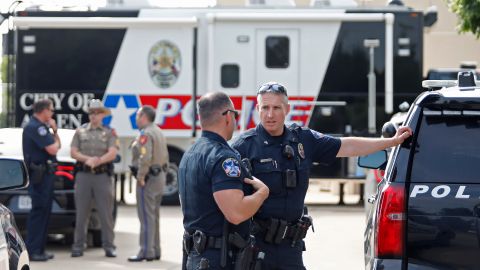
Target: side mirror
[377,160]
[14,174]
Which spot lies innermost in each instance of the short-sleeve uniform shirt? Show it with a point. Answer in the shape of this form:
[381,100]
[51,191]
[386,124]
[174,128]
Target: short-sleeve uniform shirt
[35,137]
[269,162]
[210,165]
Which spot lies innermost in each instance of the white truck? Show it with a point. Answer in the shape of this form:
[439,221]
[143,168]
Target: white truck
[169,57]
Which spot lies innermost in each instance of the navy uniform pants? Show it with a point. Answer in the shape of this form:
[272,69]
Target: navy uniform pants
[282,256]
[37,223]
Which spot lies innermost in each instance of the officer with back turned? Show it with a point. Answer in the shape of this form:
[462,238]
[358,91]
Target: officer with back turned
[40,147]
[282,157]
[211,181]
[149,166]
[94,146]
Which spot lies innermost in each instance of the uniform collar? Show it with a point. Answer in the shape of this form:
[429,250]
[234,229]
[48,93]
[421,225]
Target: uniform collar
[269,139]
[89,127]
[213,136]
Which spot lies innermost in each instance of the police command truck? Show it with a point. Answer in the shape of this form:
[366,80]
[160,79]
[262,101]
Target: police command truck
[169,57]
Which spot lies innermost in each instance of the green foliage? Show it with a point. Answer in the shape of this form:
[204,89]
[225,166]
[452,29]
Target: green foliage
[468,12]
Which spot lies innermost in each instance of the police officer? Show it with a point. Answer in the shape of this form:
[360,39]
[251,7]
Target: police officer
[40,147]
[94,147]
[211,185]
[282,156]
[149,165]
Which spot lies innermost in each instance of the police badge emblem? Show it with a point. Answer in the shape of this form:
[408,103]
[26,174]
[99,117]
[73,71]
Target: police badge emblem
[301,151]
[42,131]
[164,63]
[231,167]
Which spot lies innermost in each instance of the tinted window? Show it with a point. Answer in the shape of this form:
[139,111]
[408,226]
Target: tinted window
[447,150]
[230,76]
[277,52]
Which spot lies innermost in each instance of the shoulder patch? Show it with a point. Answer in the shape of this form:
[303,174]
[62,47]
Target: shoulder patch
[143,139]
[42,130]
[231,167]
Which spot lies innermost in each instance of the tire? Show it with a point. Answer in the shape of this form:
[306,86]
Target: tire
[170,192]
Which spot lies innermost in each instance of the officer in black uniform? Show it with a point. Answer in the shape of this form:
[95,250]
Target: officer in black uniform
[282,157]
[40,144]
[211,183]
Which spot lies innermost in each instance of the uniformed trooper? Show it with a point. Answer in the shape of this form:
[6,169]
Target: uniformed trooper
[40,143]
[94,146]
[149,166]
[282,157]
[212,181]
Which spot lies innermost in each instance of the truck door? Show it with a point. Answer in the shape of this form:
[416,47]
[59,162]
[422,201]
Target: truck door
[277,57]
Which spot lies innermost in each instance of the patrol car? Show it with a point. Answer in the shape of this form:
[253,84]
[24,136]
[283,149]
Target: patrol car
[62,219]
[13,252]
[426,210]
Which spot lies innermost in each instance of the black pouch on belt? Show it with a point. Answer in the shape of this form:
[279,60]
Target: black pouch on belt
[37,171]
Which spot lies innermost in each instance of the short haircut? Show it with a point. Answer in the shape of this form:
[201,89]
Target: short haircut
[211,106]
[149,112]
[41,105]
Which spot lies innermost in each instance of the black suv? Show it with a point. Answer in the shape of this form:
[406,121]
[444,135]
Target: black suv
[427,207]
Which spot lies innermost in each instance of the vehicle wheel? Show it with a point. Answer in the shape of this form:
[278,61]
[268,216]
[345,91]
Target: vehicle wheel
[170,192]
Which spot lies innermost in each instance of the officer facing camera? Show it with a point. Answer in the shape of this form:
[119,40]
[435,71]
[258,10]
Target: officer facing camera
[94,146]
[282,156]
[212,179]
[40,143]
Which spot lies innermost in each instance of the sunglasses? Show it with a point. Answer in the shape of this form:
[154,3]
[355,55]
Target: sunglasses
[272,88]
[236,114]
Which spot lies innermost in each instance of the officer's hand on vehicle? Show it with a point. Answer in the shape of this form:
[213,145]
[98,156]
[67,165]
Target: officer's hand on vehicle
[402,134]
[258,185]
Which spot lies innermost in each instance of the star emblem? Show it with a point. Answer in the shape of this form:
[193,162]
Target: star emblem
[123,107]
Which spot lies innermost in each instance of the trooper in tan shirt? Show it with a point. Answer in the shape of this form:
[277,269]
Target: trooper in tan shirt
[149,166]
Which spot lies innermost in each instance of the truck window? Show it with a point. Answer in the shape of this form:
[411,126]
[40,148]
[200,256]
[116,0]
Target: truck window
[447,150]
[230,75]
[277,52]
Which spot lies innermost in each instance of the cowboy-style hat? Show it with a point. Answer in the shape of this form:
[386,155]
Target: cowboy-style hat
[97,105]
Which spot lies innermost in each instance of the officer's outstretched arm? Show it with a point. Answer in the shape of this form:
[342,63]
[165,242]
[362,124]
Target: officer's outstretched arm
[356,146]
[236,207]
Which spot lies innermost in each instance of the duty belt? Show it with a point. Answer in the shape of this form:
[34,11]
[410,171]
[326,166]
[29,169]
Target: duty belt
[199,242]
[104,168]
[276,231]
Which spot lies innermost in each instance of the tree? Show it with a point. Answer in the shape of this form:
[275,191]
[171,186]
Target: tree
[468,12]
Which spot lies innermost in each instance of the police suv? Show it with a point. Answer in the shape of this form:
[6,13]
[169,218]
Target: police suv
[427,207]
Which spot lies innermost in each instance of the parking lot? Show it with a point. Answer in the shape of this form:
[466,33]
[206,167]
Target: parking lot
[338,235]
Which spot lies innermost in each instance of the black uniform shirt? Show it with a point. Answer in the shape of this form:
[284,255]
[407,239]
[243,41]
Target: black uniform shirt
[269,164]
[36,136]
[210,165]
